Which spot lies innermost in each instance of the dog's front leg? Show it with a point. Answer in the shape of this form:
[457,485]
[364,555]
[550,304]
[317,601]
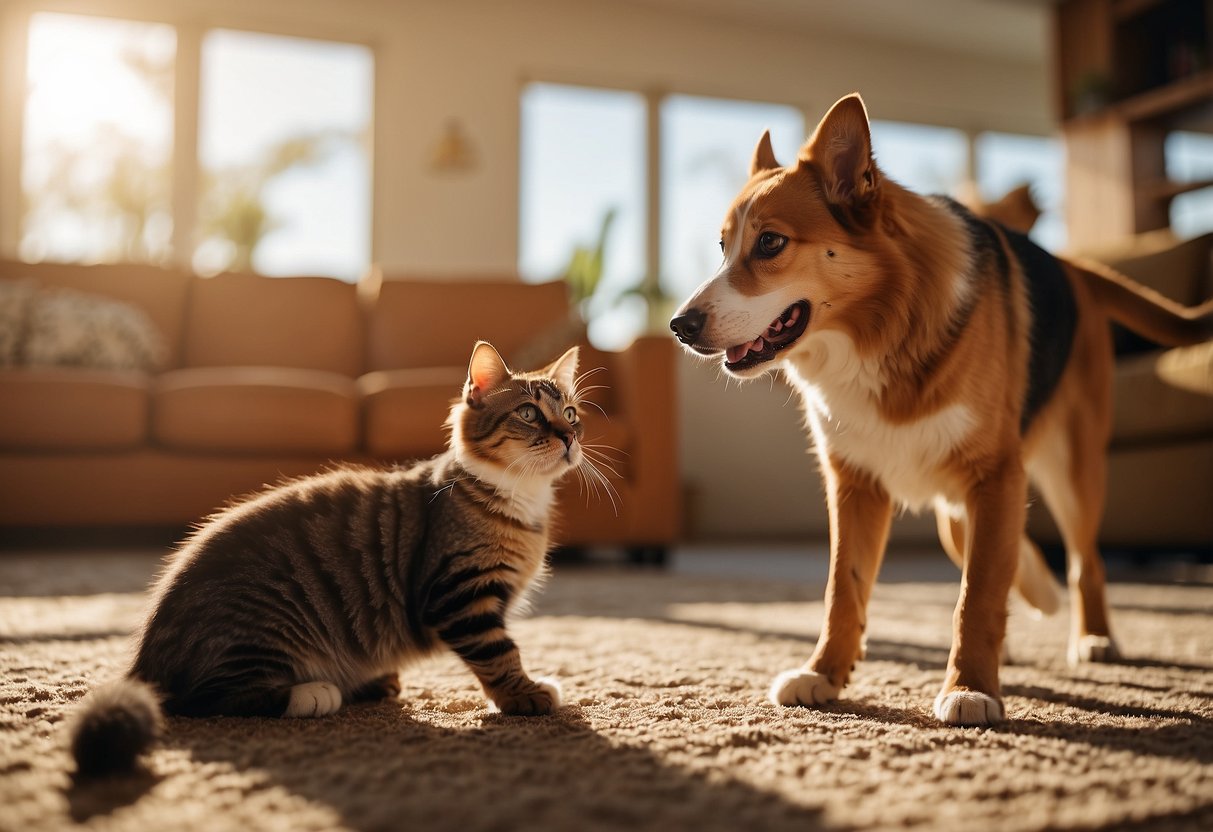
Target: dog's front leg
[996,508]
[860,514]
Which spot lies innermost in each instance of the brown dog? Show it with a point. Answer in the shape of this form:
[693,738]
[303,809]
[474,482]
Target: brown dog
[943,360]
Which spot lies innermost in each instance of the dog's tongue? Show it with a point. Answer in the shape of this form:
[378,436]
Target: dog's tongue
[735,354]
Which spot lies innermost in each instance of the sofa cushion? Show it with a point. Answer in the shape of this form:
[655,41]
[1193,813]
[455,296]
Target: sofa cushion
[73,409]
[240,320]
[255,409]
[159,292]
[1146,407]
[405,410]
[428,323]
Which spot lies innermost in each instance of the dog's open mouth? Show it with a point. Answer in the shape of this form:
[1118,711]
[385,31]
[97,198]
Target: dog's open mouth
[780,335]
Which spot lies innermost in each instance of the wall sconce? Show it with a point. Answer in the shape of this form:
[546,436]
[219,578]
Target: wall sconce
[454,151]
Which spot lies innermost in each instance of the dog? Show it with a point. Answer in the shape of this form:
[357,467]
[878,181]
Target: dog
[943,360]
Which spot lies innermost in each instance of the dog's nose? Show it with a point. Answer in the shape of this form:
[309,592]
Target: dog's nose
[688,325]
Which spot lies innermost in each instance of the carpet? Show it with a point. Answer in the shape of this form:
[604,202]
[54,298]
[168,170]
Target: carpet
[666,724]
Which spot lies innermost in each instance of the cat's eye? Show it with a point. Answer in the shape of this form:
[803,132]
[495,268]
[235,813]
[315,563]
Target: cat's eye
[570,415]
[769,244]
[528,412]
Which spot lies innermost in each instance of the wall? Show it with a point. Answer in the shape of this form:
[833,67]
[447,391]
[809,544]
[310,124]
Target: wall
[438,60]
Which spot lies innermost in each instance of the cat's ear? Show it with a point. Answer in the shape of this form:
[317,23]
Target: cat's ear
[564,369]
[485,372]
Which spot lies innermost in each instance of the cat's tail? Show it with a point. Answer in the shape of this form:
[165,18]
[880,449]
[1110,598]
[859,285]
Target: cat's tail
[116,724]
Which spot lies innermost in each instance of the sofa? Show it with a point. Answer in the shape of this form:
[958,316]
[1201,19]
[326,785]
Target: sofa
[260,379]
[1160,457]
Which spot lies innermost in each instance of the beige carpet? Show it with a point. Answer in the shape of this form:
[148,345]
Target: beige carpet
[666,726]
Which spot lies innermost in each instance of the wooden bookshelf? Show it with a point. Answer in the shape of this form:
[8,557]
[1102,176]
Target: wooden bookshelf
[1127,73]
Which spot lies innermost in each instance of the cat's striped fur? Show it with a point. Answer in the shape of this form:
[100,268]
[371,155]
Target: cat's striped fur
[317,592]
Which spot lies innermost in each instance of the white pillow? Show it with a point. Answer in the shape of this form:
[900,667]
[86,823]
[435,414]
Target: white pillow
[16,294]
[68,328]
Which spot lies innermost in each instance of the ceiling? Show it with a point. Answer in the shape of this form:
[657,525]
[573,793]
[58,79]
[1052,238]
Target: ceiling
[1011,29]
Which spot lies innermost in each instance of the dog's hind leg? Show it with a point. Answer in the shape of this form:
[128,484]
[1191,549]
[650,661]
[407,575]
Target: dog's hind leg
[1033,580]
[860,515]
[1069,471]
[951,535]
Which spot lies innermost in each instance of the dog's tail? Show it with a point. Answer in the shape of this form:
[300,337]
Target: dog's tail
[116,724]
[1145,311]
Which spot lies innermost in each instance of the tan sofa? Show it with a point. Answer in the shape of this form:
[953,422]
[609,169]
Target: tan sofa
[1160,458]
[277,377]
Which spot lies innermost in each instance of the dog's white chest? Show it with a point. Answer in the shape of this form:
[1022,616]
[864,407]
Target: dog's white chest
[840,395]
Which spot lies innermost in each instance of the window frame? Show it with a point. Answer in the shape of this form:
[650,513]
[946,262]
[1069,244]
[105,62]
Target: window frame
[187,79]
[655,97]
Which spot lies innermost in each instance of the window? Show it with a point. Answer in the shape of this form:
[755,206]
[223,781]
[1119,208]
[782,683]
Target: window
[283,149]
[1190,159]
[705,153]
[98,140]
[928,160]
[583,177]
[1006,161]
[284,133]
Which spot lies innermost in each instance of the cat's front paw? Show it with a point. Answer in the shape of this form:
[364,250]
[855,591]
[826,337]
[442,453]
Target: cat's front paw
[540,698]
[313,699]
[803,687]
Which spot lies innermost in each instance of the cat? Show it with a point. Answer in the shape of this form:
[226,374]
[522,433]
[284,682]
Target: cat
[317,592]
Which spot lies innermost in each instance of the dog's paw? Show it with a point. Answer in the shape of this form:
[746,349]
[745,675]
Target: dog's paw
[541,698]
[313,699]
[968,707]
[803,687]
[1092,648]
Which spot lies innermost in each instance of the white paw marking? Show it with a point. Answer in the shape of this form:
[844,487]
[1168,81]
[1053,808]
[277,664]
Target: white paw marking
[1090,648]
[966,707]
[313,699]
[552,686]
[803,687]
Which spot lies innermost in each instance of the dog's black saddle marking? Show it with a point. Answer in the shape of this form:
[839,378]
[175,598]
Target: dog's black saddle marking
[1054,319]
[1050,298]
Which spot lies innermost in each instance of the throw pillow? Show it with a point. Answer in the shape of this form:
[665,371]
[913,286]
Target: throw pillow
[77,329]
[16,295]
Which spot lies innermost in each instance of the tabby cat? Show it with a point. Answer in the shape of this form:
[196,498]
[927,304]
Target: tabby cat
[317,592]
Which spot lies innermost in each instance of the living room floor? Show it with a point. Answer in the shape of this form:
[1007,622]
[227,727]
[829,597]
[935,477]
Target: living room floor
[665,725]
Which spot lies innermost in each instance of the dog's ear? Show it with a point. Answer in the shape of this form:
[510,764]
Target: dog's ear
[764,155]
[841,148]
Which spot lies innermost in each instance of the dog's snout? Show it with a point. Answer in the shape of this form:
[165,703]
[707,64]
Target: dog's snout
[688,326]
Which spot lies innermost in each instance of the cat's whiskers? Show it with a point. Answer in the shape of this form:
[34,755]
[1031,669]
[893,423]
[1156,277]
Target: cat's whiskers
[593,477]
[577,390]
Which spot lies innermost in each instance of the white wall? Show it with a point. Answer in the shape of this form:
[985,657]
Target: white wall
[438,60]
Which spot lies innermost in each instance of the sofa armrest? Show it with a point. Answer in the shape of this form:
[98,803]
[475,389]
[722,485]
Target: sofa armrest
[646,394]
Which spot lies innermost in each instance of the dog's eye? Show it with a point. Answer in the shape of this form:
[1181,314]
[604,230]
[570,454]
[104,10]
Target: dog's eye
[570,415]
[528,412]
[722,245]
[769,244]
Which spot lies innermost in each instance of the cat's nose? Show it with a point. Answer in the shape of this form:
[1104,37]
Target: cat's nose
[566,438]
[688,326]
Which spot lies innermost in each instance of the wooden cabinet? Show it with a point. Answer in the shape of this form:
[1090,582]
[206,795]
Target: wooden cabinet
[1127,73]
